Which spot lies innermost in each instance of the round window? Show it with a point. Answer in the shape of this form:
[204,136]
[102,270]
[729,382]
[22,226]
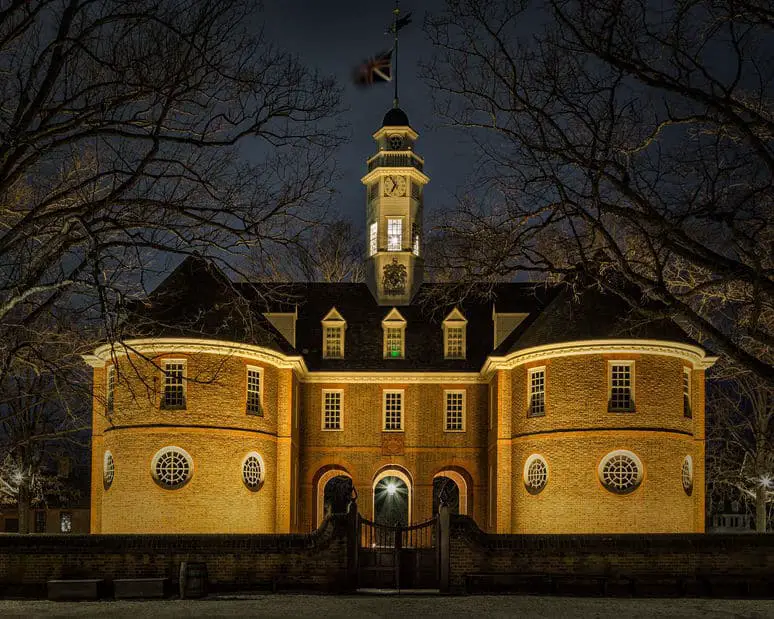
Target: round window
[253,471]
[687,474]
[172,467]
[108,469]
[535,473]
[620,471]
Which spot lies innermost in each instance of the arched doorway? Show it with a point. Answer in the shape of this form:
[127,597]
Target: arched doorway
[334,489]
[454,486]
[446,488]
[392,498]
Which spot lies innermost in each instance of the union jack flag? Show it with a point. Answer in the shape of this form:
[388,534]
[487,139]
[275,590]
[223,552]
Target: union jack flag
[373,70]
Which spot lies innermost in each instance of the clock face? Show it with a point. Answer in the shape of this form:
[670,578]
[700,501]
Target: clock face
[395,186]
[396,142]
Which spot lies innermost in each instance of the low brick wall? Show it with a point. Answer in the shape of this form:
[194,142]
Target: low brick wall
[685,564]
[315,561]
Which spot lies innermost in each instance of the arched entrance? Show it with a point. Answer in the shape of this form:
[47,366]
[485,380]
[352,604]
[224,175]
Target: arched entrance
[454,487]
[392,498]
[333,493]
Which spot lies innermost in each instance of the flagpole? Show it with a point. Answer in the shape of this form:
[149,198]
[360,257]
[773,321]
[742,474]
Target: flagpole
[395,13]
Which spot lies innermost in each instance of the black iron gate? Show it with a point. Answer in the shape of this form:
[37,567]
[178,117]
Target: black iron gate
[398,557]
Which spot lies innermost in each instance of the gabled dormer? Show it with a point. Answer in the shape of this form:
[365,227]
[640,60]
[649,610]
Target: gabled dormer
[455,327]
[394,328]
[333,329]
[285,323]
[505,323]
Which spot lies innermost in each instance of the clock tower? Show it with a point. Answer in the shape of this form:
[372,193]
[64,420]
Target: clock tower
[394,195]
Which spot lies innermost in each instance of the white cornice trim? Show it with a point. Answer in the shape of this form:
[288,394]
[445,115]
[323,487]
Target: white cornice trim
[154,346]
[395,378]
[395,129]
[384,171]
[693,354]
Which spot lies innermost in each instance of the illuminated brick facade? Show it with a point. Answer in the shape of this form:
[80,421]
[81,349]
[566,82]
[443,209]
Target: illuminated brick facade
[536,376]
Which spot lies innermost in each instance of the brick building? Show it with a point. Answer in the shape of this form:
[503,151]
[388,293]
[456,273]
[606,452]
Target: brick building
[238,408]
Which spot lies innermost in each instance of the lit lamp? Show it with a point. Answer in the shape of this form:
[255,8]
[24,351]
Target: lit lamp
[391,488]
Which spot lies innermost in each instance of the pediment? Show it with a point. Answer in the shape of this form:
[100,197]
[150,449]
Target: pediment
[456,318]
[393,318]
[333,317]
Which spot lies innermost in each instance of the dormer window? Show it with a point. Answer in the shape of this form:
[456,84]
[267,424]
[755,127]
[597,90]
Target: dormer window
[333,328]
[454,335]
[394,326]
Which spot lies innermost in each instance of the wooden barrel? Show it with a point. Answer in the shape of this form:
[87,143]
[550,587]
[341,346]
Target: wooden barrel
[193,579]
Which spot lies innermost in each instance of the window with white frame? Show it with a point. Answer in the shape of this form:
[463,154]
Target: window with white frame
[111,389]
[254,385]
[687,393]
[537,392]
[620,471]
[455,342]
[393,342]
[455,411]
[394,234]
[253,471]
[334,345]
[171,467]
[373,238]
[687,474]
[535,473]
[415,238]
[621,395]
[454,328]
[332,401]
[393,411]
[108,469]
[174,384]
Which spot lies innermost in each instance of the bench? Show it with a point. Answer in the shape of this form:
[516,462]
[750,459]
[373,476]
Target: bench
[129,588]
[75,589]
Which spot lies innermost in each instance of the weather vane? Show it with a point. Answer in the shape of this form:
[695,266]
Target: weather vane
[383,67]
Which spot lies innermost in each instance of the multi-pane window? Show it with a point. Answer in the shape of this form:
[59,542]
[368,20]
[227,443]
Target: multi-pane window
[455,342]
[111,388]
[174,387]
[455,411]
[373,236]
[393,410]
[415,238]
[254,392]
[393,342]
[65,522]
[394,234]
[537,392]
[621,397]
[40,521]
[687,393]
[333,345]
[332,405]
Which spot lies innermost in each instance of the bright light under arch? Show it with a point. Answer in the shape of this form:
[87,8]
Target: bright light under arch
[392,473]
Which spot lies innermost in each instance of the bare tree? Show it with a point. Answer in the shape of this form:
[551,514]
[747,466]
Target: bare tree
[631,140]
[132,131]
[740,442]
[43,413]
[331,252]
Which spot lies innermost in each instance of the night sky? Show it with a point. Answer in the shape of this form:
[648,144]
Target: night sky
[335,37]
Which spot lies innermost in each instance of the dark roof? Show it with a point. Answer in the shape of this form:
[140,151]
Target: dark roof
[396,117]
[589,314]
[198,300]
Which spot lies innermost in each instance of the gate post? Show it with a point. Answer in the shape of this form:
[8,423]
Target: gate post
[353,541]
[444,549]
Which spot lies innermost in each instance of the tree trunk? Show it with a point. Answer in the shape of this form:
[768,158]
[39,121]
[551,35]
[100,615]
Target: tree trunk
[24,509]
[760,508]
